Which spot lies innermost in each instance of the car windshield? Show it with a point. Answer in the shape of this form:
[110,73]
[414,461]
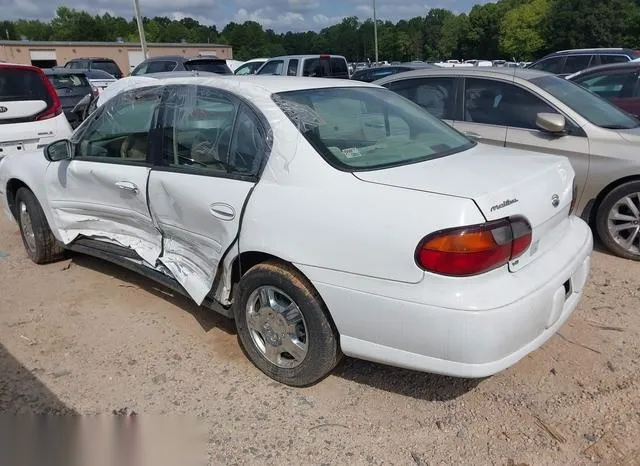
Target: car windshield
[361,128]
[593,108]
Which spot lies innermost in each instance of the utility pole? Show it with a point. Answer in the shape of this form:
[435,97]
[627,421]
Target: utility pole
[375,30]
[143,41]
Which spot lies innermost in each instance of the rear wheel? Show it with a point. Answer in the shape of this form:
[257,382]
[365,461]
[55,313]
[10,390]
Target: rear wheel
[41,245]
[283,325]
[618,220]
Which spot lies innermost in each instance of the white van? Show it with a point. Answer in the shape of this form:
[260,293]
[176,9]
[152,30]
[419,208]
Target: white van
[31,115]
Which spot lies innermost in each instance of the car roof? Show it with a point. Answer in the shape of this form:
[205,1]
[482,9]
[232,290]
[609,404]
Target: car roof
[466,71]
[92,58]
[312,55]
[593,50]
[63,71]
[631,65]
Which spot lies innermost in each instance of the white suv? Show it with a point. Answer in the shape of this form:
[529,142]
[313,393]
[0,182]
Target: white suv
[31,115]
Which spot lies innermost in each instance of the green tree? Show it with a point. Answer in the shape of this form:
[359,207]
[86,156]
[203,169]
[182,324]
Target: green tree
[33,29]
[522,34]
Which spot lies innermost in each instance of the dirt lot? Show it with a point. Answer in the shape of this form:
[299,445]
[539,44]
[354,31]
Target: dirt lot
[86,337]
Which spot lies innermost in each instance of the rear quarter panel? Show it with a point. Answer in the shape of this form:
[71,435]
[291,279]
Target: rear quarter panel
[309,213]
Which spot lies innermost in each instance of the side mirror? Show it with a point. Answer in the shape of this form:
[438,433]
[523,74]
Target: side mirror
[551,122]
[59,150]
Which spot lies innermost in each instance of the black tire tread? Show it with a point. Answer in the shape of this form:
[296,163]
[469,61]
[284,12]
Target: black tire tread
[48,248]
[601,218]
[326,356]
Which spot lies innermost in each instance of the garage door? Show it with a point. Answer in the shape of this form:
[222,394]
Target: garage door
[135,58]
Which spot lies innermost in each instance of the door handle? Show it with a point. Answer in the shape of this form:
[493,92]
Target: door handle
[127,186]
[222,211]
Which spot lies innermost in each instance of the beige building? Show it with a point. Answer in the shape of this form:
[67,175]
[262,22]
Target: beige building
[126,54]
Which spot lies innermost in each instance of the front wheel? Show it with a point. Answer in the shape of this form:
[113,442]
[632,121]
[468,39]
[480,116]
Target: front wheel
[283,325]
[618,220]
[41,245]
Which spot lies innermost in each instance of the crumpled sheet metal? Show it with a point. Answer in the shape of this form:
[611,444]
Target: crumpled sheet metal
[186,264]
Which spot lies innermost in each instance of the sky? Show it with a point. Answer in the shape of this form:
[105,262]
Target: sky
[280,15]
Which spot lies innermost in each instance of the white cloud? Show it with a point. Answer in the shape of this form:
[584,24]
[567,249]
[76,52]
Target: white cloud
[268,18]
[324,21]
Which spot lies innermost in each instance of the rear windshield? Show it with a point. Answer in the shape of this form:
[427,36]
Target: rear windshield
[106,65]
[211,66]
[360,128]
[327,67]
[68,81]
[591,107]
[21,84]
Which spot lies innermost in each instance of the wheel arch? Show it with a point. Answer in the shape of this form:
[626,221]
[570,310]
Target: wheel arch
[244,261]
[591,211]
[13,185]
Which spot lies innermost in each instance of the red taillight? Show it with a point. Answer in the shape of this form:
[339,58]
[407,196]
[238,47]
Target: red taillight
[475,249]
[55,107]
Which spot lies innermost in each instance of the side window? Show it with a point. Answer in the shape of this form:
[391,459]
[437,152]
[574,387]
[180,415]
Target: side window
[121,131]
[248,147]
[273,67]
[607,59]
[316,67]
[435,95]
[243,70]
[550,65]
[292,69]
[636,92]
[500,103]
[339,68]
[140,69]
[160,66]
[610,85]
[576,63]
[197,128]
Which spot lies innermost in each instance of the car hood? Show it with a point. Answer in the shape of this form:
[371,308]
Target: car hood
[630,135]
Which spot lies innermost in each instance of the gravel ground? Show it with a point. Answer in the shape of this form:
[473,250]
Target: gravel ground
[83,336]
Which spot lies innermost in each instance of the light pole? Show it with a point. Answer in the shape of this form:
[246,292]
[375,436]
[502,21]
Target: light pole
[375,31]
[143,41]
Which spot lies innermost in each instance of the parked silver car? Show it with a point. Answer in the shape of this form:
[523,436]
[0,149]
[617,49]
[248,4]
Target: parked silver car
[537,111]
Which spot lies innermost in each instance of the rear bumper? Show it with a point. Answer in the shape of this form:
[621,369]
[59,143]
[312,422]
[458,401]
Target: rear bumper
[464,343]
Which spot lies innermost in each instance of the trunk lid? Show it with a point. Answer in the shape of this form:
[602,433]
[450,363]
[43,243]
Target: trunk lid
[502,183]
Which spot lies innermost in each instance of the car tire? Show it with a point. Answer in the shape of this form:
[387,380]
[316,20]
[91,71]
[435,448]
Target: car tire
[295,315]
[618,220]
[39,242]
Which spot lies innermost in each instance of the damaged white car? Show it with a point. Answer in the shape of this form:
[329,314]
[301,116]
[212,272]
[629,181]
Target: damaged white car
[327,218]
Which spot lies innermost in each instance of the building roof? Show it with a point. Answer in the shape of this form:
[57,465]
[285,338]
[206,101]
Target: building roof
[29,43]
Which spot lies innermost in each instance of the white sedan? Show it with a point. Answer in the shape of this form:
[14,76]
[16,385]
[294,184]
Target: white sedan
[327,218]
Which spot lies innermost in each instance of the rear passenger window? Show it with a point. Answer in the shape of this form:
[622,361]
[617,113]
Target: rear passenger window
[576,63]
[339,68]
[607,59]
[248,147]
[435,95]
[198,125]
[292,69]
[316,67]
